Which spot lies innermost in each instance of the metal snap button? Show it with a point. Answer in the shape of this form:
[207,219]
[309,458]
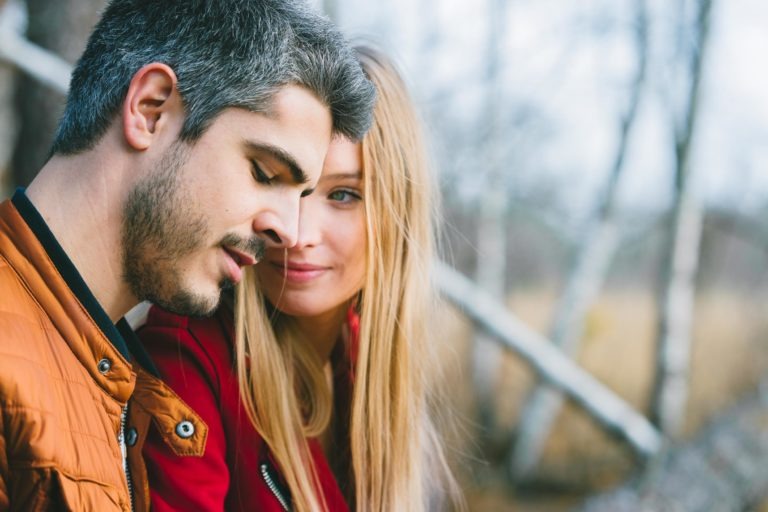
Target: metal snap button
[104,366]
[131,436]
[185,429]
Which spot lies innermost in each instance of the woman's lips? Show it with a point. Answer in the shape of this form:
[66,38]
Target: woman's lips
[297,272]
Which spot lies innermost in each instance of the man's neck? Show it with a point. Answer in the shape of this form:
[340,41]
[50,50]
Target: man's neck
[81,202]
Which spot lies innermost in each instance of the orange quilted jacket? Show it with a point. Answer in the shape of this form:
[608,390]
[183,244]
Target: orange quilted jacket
[70,402]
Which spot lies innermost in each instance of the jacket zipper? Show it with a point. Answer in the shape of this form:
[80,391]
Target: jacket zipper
[272,485]
[124,453]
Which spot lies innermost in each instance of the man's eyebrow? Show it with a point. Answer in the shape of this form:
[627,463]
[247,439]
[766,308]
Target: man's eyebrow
[297,173]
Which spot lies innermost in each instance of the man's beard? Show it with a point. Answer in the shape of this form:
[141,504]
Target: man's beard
[161,225]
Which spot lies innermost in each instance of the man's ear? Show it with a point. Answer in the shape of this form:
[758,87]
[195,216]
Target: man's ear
[151,100]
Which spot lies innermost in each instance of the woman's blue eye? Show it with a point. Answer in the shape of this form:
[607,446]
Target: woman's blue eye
[261,176]
[343,196]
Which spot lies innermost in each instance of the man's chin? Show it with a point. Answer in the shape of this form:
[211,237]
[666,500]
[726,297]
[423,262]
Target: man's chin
[187,303]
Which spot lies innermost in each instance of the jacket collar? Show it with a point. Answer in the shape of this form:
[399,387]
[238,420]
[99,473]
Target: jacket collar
[52,279]
[67,270]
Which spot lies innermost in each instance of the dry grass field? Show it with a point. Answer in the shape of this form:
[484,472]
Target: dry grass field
[729,355]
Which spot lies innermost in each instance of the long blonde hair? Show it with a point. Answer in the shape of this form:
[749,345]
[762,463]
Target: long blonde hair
[396,457]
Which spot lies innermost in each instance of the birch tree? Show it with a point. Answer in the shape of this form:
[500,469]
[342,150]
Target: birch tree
[586,278]
[670,393]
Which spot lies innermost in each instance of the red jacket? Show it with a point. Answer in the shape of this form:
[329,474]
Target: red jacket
[195,358]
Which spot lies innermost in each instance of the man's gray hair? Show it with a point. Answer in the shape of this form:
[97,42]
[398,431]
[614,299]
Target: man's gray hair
[225,53]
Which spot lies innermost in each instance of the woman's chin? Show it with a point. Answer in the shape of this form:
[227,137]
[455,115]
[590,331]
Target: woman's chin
[307,309]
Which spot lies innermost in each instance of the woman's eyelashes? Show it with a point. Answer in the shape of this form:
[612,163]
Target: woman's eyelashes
[345,196]
[260,176]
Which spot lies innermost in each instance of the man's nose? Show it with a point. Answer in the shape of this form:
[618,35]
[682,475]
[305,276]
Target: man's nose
[279,227]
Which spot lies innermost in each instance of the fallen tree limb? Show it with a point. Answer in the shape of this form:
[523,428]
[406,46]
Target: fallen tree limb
[609,410]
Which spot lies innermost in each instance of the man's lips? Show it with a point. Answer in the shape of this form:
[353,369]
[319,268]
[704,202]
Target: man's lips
[243,259]
[236,259]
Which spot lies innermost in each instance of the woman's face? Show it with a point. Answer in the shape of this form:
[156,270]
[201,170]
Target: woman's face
[326,267]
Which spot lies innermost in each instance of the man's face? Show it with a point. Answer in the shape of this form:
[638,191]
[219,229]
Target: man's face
[210,208]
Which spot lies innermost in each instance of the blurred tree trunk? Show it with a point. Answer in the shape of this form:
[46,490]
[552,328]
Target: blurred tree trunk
[670,392]
[492,243]
[7,119]
[585,280]
[62,27]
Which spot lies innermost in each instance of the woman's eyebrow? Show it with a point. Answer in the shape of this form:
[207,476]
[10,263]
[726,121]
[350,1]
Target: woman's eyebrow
[358,175]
